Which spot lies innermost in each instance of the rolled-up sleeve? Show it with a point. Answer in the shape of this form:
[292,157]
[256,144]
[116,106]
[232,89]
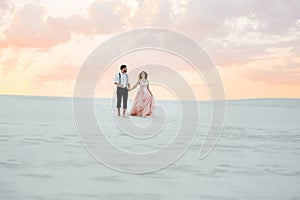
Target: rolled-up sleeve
[116,78]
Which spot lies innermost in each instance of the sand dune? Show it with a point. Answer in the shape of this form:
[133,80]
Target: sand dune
[257,156]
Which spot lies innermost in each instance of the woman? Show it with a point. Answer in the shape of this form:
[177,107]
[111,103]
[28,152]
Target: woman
[144,101]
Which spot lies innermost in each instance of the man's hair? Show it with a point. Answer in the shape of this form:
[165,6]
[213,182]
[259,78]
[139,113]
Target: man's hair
[123,66]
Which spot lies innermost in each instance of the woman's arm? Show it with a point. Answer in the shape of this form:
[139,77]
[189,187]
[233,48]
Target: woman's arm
[149,89]
[135,85]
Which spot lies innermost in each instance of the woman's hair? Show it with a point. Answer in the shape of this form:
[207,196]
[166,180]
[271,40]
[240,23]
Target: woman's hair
[140,75]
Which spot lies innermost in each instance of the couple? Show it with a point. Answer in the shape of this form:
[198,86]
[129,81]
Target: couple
[143,102]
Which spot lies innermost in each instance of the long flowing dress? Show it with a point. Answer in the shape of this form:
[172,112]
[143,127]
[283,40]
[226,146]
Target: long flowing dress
[143,103]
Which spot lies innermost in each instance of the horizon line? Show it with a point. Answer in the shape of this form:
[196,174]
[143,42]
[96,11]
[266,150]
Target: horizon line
[238,99]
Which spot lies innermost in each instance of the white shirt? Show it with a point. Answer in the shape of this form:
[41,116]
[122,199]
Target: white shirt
[124,80]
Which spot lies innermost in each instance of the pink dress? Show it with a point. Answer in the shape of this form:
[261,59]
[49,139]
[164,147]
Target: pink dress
[143,103]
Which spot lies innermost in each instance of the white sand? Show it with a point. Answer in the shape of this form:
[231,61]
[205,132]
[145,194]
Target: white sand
[257,156]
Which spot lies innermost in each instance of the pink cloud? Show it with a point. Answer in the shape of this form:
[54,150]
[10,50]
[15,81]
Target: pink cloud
[59,73]
[15,63]
[285,74]
[104,16]
[32,27]
[153,13]
[6,7]
[201,19]
[275,16]
[8,65]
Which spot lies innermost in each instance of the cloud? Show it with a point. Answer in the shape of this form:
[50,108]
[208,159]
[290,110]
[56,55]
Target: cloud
[13,64]
[231,31]
[105,17]
[288,73]
[208,16]
[6,7]
[145,13]
[40,30]
[278,16]
[242,31]
[8,65]
[31,27]
[64,73]
[164,16]
[249,35]
[239,50]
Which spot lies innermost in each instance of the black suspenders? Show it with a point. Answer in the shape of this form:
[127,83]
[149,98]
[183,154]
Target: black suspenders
[120,79]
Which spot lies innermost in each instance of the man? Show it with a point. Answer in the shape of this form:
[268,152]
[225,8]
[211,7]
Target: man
[123,85]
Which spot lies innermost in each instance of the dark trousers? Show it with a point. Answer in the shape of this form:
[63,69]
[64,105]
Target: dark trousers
[122,93]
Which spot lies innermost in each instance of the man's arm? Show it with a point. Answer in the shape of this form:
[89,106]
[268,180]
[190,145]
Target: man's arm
[116,81]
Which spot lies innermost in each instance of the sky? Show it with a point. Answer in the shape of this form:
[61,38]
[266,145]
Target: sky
[254,44]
